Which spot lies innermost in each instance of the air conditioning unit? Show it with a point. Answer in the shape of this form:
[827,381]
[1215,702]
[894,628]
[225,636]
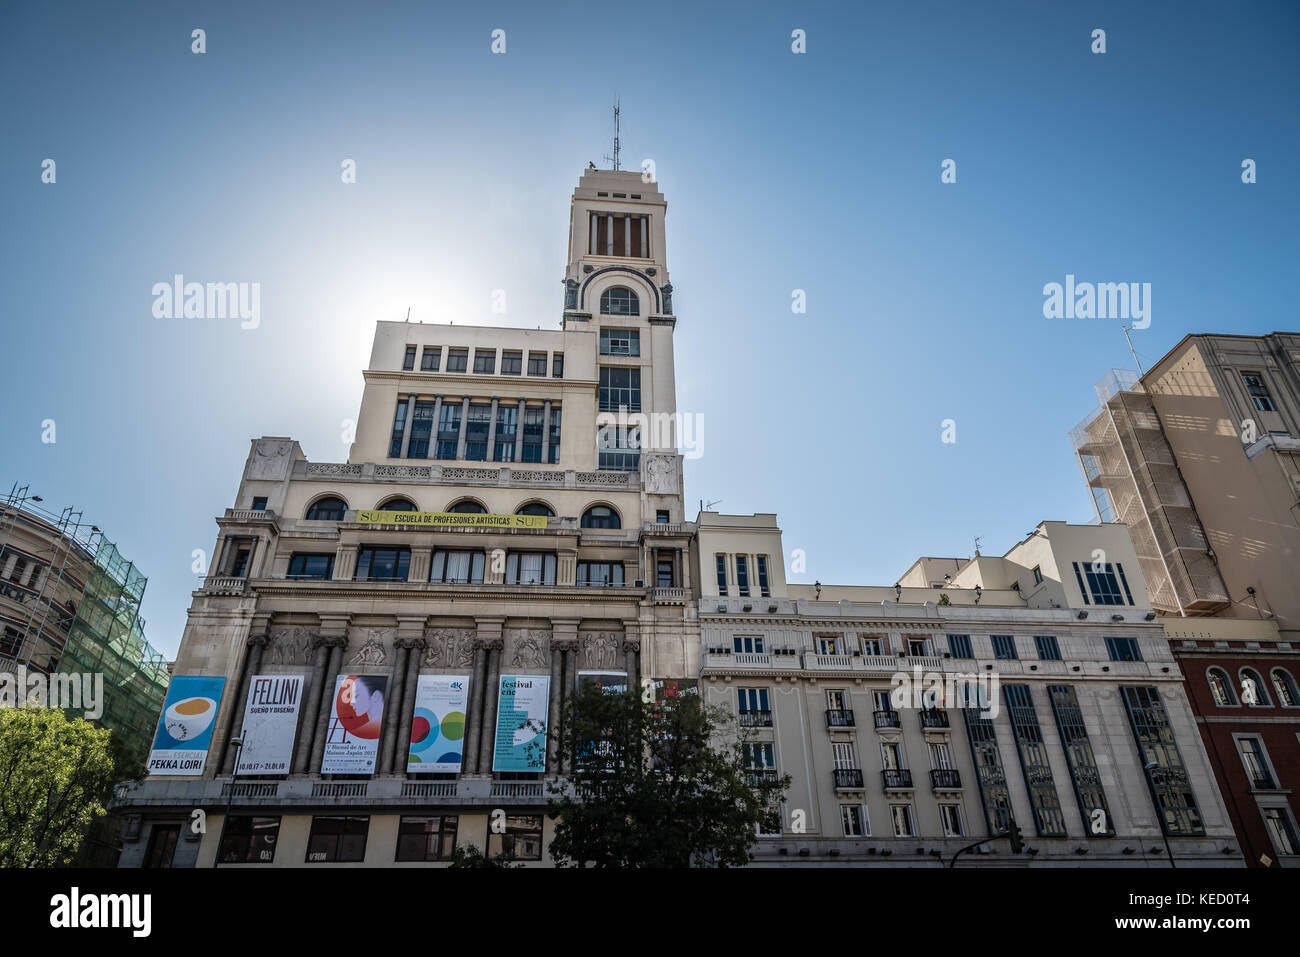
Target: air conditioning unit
[639,583]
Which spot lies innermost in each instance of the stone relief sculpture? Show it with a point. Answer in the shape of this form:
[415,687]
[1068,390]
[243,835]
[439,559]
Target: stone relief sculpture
[600,651]
[289,646]
[449,648]
[270,459]
[661,474]
[529,649]
[373,651]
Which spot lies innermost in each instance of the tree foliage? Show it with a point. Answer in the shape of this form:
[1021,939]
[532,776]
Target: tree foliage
[655,784]
[55,777]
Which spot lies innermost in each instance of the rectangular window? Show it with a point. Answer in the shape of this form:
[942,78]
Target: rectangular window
[827,644]
[620,342]
[890,756]
[477,425]
[1048,649]
[457,360]
[1038,575]
[600,573]
[537,363]
[853,817]
[337,839]
[429,358]
[619,449]
[533,424]
[507,424]
[1048,817]
[383,564]
[249,840]
[742,576]
[530,568]
[950,815]
[1254,383]
[448,430]
[870,646]
[661,517]
[664,574]
[1084,773]
[259,503]
[759,755]
[553,451]
[408,361]
[303,565]
[485,361]
[457,567]
[941,756]
[422,430]
[901,814]
[764,591]
[1256,764]
[721,561]
[522,839]
[427,838]
[1168,780]
[753,709]
[557,365]
[1281,830]
[747,644]
[918,647]
[162,845]
[845,755]
[512,363]
[1004,646]
[959,646]
[1123,649]
[1101,583]
[994,793]
[835,701]
[620,387]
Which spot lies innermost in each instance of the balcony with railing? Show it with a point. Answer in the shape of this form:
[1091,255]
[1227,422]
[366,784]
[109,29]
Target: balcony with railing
[848,779]
[945,779]
[933,719]
[755,719]
[754,777]
[839,717]
[897,779]
[886,719]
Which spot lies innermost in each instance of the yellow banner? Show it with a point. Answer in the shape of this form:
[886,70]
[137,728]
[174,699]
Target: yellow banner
[457,519]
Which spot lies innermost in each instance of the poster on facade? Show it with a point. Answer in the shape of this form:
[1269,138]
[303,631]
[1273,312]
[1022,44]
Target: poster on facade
[185,729]
[610,682]
[438,724]
[270,724]
[356,717]
[521,723]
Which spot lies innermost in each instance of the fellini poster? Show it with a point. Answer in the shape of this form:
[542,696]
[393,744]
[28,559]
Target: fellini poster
[521,723]
[356,717]
[270,724]
[438,724]
[184,734]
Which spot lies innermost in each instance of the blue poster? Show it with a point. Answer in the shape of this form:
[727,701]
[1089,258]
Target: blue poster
[521,723]
[185,729]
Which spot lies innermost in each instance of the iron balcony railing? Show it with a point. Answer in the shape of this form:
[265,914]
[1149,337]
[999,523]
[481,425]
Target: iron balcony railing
[848,779]
[887,719]
[945,778]
[934,718]
[839,718]
[896,778]
[755,719]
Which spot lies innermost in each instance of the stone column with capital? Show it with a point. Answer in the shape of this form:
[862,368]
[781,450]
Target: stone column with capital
[488,732]
[410,682]
[519,433]
[564,645]
[334,634]
[492,431]
[257,642]
[393,706]
[474,720]
[464,426]
[307,733]
[632,658]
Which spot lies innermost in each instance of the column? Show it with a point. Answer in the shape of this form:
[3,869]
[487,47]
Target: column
[337,642]
[432,453]
[307,734]
[406,429]
[609,234]
[487,739]
[627,234]
[474,719]
[400,747]
[464,423]
[393,706]
[519,434]
[256,644]
[546,431]
[645,245]
[632,657]
[591,244]
[553,707]
[492,430]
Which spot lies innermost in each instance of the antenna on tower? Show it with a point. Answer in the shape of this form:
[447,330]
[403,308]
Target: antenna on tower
[616,157]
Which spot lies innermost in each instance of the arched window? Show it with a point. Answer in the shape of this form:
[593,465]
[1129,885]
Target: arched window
[535,508]
[601,516]
[1284,685]
[1250,679]
[1221,688]
[398,505]
[468,507]
[619,301]
[327,510]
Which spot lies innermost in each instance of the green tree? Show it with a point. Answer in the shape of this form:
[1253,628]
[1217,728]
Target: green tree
[55,775]
[656,784]
[467,856]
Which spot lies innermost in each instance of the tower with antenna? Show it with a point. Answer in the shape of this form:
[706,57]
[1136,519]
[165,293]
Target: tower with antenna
[616,159]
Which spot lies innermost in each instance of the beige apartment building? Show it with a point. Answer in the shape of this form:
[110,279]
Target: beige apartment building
[491,542]
[1089,744]
[1200,457]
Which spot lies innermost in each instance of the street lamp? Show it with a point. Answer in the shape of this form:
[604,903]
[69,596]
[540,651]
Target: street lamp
[237,743]
[1151,768]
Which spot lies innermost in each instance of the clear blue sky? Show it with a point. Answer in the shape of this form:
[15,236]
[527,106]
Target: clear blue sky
[817,171]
